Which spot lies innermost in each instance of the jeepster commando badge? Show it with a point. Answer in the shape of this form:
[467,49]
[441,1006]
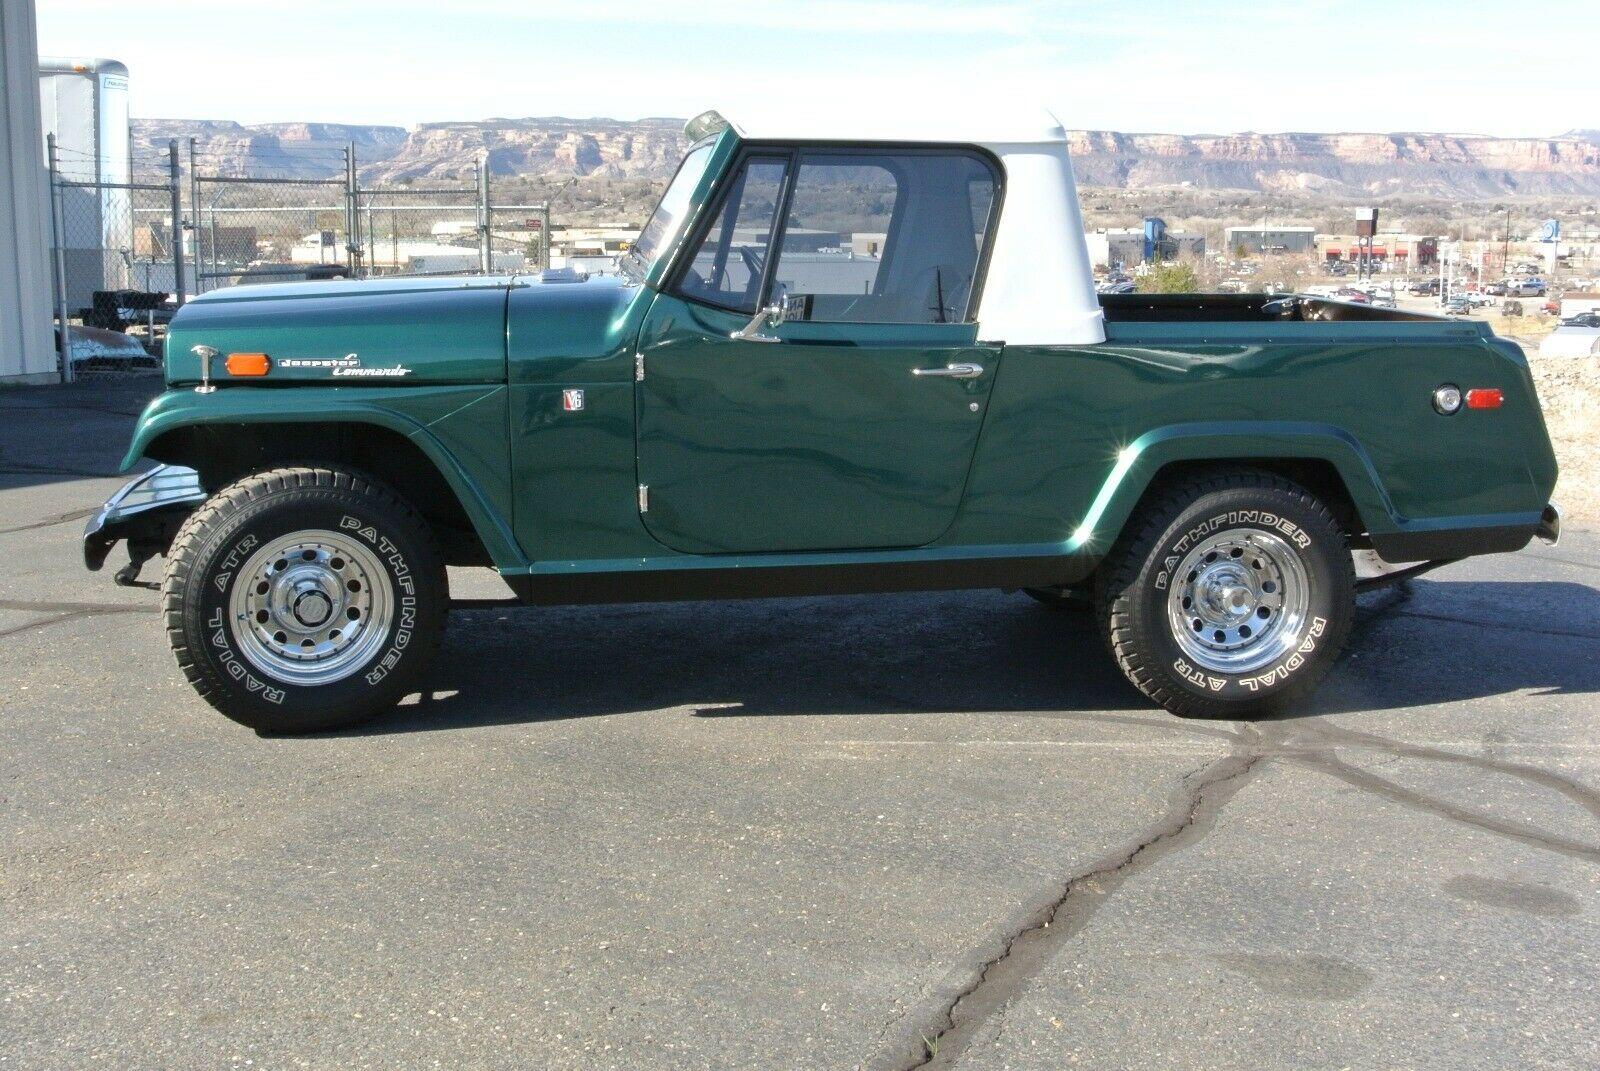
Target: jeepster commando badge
[348,365]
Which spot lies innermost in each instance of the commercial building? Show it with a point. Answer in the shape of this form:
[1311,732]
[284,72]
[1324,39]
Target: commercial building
[27,350]
[1269,238]
[1128,246]
[1400,251]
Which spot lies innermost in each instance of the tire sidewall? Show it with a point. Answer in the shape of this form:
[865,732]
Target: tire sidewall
[254,696]
[1321,549]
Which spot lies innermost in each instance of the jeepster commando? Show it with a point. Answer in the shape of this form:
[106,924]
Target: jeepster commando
[839,358]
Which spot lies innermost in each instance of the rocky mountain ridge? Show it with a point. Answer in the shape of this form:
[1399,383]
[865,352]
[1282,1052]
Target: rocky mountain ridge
[1353,164]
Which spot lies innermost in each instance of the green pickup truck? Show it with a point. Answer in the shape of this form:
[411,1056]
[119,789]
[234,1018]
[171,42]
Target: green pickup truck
[845,359]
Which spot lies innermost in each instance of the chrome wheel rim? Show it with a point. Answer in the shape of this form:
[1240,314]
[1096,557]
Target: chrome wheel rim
[311,607]
[1238,601]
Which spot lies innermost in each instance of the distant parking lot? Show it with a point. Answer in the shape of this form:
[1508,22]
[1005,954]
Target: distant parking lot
[921,830]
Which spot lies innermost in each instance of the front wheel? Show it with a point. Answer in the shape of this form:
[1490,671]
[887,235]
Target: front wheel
[1229,596]
[303,599]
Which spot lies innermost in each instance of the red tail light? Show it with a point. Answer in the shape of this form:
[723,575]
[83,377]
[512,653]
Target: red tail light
[1485,398]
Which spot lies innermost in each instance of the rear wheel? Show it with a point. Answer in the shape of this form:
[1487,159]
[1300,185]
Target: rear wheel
[303,599]
[1229,596]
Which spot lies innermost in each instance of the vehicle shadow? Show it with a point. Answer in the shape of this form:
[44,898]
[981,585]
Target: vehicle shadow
[62,434]
[963,652]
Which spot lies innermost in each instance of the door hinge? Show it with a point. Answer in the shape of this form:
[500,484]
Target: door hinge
[638,366]
[644,498]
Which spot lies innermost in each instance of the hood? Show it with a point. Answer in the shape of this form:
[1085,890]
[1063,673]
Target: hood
[400,331]
[367,332]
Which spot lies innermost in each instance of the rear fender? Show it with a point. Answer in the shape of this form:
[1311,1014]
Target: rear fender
[1139,464]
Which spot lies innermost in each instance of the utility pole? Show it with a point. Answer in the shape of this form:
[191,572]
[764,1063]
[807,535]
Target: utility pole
[352,212]
[1505,249]
[179,290]
[194,217]
[485,252]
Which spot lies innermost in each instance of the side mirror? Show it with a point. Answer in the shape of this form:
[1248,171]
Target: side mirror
[795,307]
[789,307]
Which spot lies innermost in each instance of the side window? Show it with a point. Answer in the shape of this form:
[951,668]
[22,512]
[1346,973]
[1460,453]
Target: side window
[885,237]
[727,267]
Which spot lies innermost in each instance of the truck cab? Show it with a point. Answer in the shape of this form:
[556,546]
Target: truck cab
[846,357]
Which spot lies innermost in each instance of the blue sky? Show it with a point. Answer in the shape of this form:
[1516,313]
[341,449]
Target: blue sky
[1168,66]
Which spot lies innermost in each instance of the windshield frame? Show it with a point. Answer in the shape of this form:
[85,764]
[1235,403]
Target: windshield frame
[649,268]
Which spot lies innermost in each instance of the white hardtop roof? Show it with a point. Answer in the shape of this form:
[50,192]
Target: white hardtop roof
[1019,127]
[1040,288]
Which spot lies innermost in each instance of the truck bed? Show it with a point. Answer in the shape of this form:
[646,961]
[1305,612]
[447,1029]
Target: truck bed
[1244,308]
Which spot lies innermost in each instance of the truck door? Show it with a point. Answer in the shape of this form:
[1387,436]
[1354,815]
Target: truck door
[852,424]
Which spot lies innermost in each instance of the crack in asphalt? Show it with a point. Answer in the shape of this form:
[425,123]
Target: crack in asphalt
[1524,629]
[64,612]
[49,522]
[23,468]
[1396,793]
[1577,791]
[1033,942]
[1560,560]
[1003,969]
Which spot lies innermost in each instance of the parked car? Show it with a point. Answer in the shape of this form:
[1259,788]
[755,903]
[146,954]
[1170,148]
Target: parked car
[1583,319]
[1497,289]
[734,416]
[1526,288]
[1350,293]
[1571,340]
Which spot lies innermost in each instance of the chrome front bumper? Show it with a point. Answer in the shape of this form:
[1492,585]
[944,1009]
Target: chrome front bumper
[145,512]
[1549,528]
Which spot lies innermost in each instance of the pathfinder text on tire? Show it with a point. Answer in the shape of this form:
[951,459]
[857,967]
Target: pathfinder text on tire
[303,598]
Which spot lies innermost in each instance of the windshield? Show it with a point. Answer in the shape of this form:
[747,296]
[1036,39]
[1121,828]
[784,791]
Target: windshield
[667,220]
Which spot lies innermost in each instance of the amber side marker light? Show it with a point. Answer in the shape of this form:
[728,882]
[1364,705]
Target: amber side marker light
[248,364]
[1485,398]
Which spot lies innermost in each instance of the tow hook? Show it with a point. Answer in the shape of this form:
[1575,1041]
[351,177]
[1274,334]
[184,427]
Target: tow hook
[128,575]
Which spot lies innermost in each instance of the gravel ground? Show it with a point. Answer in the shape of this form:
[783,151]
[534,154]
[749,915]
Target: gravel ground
[1569,392]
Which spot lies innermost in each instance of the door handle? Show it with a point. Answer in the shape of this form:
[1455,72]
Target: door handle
[951,371]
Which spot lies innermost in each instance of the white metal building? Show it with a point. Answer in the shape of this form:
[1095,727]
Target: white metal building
[84,103]
[27,353]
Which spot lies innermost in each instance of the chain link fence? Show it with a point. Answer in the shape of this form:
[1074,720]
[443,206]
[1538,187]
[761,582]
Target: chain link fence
[267,230]
[128,254]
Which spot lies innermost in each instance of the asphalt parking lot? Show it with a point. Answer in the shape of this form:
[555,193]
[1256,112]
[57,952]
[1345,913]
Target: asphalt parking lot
[814,833]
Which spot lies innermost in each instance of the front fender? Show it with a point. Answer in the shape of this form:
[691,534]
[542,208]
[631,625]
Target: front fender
[442,421]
